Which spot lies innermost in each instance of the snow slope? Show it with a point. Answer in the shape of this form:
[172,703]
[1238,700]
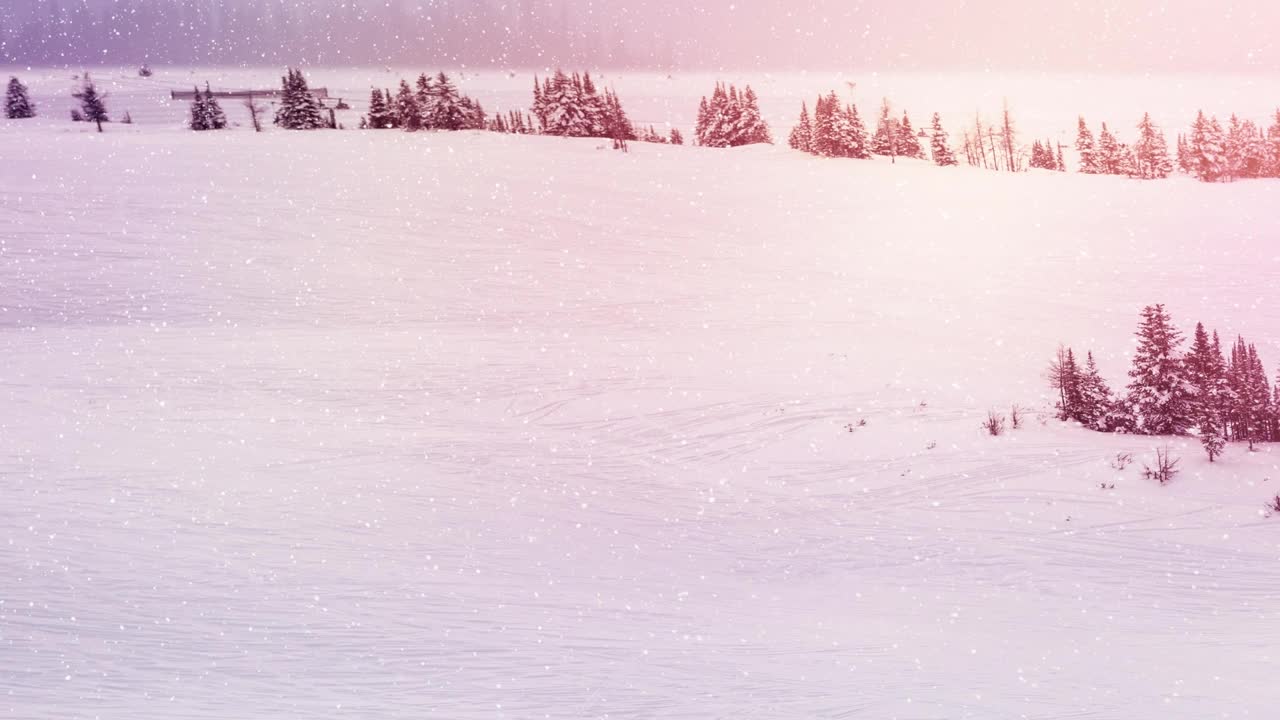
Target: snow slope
[371,424]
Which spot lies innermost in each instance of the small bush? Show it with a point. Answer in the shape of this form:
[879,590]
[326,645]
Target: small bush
[1016,415]
[994,424]
[1165,468]
[1122,461]
[1273,507]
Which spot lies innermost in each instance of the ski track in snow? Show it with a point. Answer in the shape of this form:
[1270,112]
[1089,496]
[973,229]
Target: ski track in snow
[389,425]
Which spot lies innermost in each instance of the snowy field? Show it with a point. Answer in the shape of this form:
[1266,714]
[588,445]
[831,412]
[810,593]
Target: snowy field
[377,424]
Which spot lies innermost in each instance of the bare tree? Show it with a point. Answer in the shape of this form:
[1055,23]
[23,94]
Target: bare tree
[1166,466]
[255,112]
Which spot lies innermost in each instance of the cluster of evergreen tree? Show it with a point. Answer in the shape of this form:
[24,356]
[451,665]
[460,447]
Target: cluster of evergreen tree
[1044,157]
[430,104]
[1243,150]
[731,119]
[206,113]
[837,131]
[299,109]
[1148,158]
[834,132]
[895,138]
[1171,392]
[17,101]
[572,106]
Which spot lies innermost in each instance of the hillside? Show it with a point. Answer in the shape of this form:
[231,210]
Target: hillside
[381,424]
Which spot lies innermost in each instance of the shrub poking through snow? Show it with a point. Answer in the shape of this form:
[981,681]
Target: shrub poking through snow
[1273,506]
[1166,466]
[1016,417]
[1122,461]
[994,424]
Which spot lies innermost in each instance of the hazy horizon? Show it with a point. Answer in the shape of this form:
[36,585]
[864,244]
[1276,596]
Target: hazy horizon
[910,35]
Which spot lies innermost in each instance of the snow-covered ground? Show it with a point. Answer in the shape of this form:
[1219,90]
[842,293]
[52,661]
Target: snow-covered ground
[372,424]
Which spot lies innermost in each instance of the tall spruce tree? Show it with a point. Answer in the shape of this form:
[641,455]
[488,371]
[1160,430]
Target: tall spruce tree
[1151,151]
[910,142]
[801,137]
[447,112]
[885,141]
[17,101]
[942,154]
[1205,149]
[1094,397]
[407,110]
[93,106]
[1206,378]
[215,117]
[1158,388]
[299,109]
[1086,149]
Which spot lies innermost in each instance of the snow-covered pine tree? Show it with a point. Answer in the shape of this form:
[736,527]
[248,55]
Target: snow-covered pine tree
[1109,157]
[407,111]
[216,119]
[754,130]
[447,111]
[539,106]
[1158,387]
[424,95]
[942,154]
[199,111]
[379,112]
[1151,152]
[801,137]
[1272,163]
[1038,155]
[1205,149]
[909,141]
[676,137]
[1061,166]
[299,110]
[703,121]
[1086,149]
[17,101]
[1094,398]
[93,106]
[825,142]
[885,141]
[1207,382]
[596,108]
[854,134]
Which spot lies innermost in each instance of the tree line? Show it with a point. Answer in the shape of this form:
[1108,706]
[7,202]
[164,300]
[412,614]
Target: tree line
[837,130]
[1222,396]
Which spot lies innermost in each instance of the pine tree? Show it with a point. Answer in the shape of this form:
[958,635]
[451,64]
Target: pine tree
[909,142]
[1086,149]
[215,118]
[885,141]
[93,105]
[1157,390]
[407,111]
[1109,157]
[853,134]
[379,112]
[446,111]
[1272,162]
[1206,378]
[825,141]
[802,134]
[424,96]
[676,137]
[1205,149]
[17,101]
[1061,166]
[299,110]
[1094,397]
[199,111]
[1151,151]
[942,154]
